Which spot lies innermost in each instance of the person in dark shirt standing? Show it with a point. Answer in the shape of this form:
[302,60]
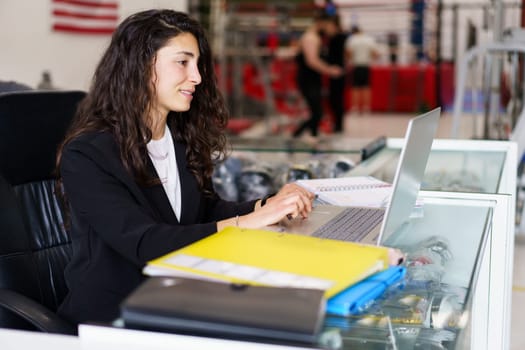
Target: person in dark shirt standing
[336,56]
[310,68]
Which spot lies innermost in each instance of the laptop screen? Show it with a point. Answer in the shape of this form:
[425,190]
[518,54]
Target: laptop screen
[410,170]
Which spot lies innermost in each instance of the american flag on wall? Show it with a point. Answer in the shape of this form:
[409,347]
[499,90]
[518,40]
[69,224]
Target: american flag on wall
[85,16]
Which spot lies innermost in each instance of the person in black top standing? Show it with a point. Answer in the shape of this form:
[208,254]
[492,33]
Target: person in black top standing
[336,56]
[310,68]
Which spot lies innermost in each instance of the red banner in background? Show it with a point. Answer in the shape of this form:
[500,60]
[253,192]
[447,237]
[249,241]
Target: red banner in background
[85,16]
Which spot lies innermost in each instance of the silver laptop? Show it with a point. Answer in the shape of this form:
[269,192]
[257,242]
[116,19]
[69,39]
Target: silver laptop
[374,225]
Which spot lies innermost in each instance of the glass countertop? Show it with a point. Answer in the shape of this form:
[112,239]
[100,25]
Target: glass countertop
[447,170]
[270,162]
[431,308]
[475,169]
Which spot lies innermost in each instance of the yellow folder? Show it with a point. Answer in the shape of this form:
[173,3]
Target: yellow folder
[273,258]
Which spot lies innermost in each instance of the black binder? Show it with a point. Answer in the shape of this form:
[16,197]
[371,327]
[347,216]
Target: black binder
[217,309]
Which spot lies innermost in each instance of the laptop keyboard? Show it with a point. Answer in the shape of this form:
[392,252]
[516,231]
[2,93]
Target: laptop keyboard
[352,224]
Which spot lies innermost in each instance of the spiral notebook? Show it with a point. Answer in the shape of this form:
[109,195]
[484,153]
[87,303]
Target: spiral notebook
[361,191]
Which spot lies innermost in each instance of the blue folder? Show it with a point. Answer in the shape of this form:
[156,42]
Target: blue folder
[356,298]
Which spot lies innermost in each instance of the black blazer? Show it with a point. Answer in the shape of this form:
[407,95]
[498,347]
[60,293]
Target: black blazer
[117,226]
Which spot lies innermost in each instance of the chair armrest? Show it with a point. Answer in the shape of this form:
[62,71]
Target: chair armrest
[36,314]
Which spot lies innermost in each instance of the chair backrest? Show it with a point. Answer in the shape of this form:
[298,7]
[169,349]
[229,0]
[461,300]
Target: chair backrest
[34,245]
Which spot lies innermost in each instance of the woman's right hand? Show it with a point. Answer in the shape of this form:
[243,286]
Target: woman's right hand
[290,202]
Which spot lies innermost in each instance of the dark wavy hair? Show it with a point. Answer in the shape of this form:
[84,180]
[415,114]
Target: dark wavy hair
[121,95]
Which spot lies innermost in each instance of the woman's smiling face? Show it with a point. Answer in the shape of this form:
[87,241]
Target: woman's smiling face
[176,74]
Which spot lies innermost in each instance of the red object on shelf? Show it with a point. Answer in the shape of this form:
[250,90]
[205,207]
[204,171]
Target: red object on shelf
[395,88]
[403,88]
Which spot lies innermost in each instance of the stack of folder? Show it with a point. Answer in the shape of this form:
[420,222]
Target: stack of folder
[183,305]
[275,259]
[346,276]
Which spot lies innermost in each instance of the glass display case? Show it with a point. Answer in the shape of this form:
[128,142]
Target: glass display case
[457,293]
[456,169]
[454,165]
[467,166]
[477,166]
[258,167]
[443,302]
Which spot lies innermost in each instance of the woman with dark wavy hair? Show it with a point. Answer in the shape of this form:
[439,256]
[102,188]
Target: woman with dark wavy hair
[136,164]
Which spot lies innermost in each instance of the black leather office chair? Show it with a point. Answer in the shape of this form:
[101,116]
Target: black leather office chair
[34,245]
